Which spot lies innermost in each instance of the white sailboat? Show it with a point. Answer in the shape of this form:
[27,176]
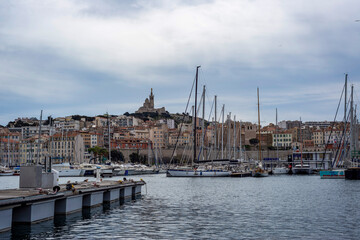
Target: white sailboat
[259,171]
[278,169]
[193,171]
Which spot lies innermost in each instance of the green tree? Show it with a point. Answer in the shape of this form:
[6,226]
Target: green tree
[98,152]
[117,156]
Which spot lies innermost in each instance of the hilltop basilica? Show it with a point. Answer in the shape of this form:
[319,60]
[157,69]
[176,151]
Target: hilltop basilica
[148,106]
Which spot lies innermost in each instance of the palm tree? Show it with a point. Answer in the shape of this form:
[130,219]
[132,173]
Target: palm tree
[95,150]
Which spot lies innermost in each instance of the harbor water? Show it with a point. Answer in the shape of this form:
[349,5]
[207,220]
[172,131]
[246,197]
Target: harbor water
[276,207]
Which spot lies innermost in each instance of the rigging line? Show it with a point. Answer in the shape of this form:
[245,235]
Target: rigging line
[182,121]
[332,125]
[341,145]
[212,106]
[345,149]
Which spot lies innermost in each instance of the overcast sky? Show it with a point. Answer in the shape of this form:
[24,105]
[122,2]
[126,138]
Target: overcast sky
[89,57]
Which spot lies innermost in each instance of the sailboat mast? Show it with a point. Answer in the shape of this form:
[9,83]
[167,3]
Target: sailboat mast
[8,151]
[222,132]
[352,148]
[203,125]
[196,85]
[109,139]
[229,138]
[259,124]
[277,147]
[240,141]
[345,101]
[216,126]
[234,136]
[38,149]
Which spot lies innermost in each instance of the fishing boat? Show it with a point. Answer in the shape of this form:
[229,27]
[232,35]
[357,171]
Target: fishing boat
[196,171]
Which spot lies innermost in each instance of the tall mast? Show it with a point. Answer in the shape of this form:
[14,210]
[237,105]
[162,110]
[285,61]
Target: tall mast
[51,144]
[203,125]
[109,139]
[277,148]
[149,152]
[345,101]
[259,124]
[229,138]
[8,150]
[216,150]
[240,140]
[352,142]
[38,150]
[222,133]
[62,143]
[195,113]
[193,122]
[234,136]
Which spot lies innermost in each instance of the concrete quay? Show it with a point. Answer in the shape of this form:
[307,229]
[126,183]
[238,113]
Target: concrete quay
[29,206]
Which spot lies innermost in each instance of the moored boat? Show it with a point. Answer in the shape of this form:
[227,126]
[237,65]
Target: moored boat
[280,170]
[259,172]
[4,171]
[332,174]
[302,169]
[197,173]
[66,170]
[352,173]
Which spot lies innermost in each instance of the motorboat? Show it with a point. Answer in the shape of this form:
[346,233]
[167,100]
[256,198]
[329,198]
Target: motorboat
[302,169]
[67,170]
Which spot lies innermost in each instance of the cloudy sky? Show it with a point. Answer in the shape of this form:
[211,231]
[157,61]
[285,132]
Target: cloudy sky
[92,56]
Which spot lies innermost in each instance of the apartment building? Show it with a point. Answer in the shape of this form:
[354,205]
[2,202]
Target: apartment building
[67,147]
[283,139]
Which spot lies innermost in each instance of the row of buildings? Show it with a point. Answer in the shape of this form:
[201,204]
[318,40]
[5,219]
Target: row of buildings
[68,139]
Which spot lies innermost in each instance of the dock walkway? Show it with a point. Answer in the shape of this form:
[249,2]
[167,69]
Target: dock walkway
[36,205]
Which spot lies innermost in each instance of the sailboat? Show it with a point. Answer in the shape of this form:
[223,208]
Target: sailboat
[259,171]
[193,171]
[341,150]
[278,169]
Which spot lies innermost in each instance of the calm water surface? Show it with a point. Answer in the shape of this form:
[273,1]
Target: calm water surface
[277,207]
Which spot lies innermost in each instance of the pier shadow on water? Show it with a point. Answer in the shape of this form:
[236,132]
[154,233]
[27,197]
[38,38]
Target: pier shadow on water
[60,223]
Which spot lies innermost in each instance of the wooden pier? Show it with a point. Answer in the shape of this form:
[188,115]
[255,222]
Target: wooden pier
[28,206]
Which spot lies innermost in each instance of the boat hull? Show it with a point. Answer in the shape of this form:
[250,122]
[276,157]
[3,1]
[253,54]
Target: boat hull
[352,174]
[302,171]
[280,171]
[70,172]
[6,174]
[335,174]
[260,174]
[197,173]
